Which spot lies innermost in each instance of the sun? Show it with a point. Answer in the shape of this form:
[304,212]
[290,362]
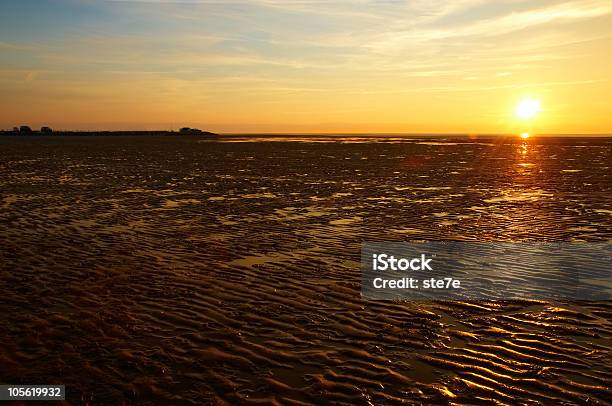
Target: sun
[528,108]
[524,135]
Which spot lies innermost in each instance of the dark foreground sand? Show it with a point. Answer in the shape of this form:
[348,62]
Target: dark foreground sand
[164,270]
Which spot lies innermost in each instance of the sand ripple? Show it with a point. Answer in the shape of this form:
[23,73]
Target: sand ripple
[167,271]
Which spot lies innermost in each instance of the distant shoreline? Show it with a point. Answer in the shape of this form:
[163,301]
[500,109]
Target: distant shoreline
[205,134]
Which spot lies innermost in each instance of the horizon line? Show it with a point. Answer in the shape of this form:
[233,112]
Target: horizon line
[381,134]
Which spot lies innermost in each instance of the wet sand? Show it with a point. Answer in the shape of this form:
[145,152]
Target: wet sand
[165,270]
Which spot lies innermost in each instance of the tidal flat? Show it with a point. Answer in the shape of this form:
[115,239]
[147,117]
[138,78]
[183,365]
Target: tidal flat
[175,270]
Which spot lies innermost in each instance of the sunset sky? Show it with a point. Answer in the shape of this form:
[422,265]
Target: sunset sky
[307,66]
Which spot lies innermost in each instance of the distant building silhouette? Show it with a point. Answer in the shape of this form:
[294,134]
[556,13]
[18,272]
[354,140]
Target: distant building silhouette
[46,130]
[24,129]
[187,130]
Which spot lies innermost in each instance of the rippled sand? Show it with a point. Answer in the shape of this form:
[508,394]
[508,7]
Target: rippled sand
[164,270]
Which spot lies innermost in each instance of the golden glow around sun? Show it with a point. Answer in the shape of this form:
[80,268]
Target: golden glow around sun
[524,135]
[528,108]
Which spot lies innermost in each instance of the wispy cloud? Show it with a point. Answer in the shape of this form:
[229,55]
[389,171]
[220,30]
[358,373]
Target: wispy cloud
[359,52]
[16,46]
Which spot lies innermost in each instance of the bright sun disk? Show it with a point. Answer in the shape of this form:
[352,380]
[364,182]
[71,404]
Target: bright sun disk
[528,108]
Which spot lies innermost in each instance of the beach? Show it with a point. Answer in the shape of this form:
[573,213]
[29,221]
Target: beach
[180,270]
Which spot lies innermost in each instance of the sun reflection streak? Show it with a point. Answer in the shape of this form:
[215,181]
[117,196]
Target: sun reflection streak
[524,160]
